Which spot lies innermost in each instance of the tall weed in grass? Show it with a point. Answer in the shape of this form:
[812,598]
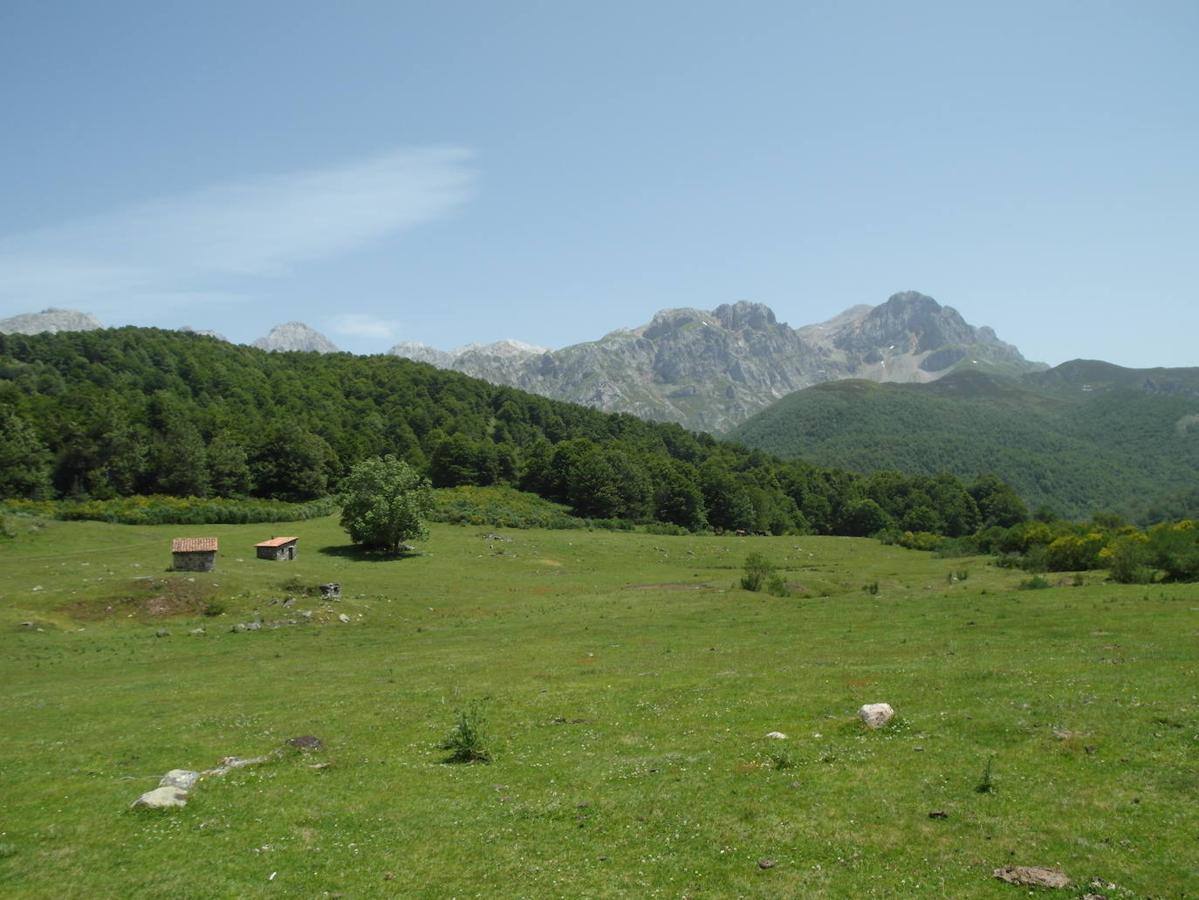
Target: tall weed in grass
[467,740]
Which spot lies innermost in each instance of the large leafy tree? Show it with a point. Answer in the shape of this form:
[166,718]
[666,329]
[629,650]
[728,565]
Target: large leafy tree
[24,460]
[384,503]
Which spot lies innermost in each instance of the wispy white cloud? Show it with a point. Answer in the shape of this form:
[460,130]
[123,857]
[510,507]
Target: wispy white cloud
[364,325]
[185,244]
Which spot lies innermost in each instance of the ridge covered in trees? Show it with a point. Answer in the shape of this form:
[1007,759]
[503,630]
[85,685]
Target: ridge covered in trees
[1083,437]
[121,412]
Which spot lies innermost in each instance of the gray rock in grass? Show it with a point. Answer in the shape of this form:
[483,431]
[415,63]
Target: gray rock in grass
[166,797]
[876,715]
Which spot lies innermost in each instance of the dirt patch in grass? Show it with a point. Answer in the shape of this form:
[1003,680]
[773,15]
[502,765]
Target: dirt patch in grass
[149,598]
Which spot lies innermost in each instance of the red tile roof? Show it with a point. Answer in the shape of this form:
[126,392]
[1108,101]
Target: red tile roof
[193,545]
[277,542]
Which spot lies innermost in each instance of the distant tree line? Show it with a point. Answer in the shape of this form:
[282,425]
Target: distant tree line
[121,412]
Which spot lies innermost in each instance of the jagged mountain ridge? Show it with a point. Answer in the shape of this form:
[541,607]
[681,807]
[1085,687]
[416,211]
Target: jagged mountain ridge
[711,370]
[707,370]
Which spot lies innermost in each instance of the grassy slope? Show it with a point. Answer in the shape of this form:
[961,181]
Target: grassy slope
[657,785]
[1115,448]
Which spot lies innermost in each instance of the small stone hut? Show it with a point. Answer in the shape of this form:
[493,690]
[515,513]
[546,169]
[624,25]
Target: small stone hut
[194,554]
[278,548]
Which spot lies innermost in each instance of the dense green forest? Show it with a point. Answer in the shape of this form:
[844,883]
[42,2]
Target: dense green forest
[130,411]
[1079,438]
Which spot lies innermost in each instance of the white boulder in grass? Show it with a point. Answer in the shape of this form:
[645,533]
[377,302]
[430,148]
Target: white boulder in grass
[876,715]
[166,797]
[777,736]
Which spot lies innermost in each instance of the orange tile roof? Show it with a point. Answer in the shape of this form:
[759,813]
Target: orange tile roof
[277,542]
[193,545]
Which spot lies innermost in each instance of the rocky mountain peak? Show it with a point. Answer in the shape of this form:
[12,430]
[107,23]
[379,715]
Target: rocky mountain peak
[745,314]
[418,352]
[295,336]
[910,322]
[51,320]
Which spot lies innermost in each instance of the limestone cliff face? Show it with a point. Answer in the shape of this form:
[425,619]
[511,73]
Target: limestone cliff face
[711,370]
[295,336]
[49,320]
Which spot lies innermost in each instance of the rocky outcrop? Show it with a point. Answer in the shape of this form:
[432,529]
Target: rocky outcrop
[295,336]
[49,320]
[203,332]
[711,370]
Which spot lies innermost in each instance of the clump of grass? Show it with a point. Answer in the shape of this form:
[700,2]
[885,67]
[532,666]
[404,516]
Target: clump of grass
[871,589]
[957,575]
[781,760]
[986,784]
[1036,583]
[7,850]
[213,608]
[777,586]
[467,740]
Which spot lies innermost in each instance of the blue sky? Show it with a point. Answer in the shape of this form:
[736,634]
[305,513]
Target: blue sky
[458,172]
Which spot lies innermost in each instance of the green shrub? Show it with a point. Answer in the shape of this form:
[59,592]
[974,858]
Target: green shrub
[666,528]
[777,586]
[1175,550]
[920,540]
[758,572]
[500,507]
[1127,559]
[1036,583]
[954,548]
[157,509]
[467,740]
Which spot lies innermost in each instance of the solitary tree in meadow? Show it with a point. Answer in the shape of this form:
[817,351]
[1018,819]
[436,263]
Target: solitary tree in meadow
[384,503]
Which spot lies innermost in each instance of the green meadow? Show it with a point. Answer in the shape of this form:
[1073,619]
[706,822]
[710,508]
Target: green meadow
[628,688]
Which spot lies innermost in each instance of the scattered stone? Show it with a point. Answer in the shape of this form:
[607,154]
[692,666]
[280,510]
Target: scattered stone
[162,632]
[1033,876]
[246,626]
[319,766]
[938,814]
[343,619]
[184,779]
[198,632]
[331,591]
[306,742]
[766,864]
[876,715]
[161,798]
[777,736]
[229,763]
[1063,734]
[307,613]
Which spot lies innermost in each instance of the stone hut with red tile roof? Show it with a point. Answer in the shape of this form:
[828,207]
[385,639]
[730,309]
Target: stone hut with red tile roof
[278,548]
[194,554]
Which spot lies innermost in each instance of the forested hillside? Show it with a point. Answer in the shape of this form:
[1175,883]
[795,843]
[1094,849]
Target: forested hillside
[1082,437]
[136,411]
